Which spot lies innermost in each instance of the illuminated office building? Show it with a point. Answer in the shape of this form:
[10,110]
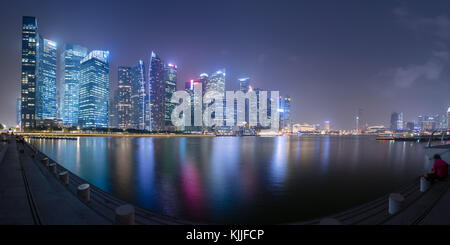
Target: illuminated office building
[124,105]
[155,113]
[94,90]
[216,82]
[204,81]
[287,113]
[18,108]
[139,96]
[46,80]
[71,57]
[397,121]
[170,87]
[30,38]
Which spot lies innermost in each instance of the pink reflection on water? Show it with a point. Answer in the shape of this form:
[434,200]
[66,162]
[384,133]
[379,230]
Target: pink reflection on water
[193,191]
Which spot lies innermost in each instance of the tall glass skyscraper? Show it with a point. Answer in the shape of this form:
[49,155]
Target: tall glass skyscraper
[244,86]
[204,81]
[216,82]
[71,57]
[30,38]
[397,121]
[287,113]
[139,96]
[124,105]
[18,108]
[156,107]
[46,80]
[170,87]
[94,90]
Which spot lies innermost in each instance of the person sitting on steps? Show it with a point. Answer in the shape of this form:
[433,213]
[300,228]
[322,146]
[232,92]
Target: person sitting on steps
[439,170]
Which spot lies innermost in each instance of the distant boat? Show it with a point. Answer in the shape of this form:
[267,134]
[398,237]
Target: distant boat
[385,137]
[268,133]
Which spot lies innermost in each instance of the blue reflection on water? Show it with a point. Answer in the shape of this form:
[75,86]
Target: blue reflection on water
[241,179]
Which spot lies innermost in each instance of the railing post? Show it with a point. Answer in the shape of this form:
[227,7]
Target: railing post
[45,161]
[395,202]
[424,184]
[52,167]
[64,177]
[83,192]
[124,215]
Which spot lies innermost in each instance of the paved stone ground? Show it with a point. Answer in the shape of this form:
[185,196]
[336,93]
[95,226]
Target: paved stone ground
[30,196]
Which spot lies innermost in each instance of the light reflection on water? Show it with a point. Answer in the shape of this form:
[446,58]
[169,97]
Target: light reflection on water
[242,179]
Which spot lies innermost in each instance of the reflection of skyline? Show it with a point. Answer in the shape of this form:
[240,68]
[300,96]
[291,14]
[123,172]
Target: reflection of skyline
[228,179]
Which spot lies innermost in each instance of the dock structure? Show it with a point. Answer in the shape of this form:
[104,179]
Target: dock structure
[32,194]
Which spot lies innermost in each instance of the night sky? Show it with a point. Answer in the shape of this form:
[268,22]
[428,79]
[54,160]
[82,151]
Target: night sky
[332,57]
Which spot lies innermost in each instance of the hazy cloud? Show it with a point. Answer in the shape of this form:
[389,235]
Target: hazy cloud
[437,25]
[405,77]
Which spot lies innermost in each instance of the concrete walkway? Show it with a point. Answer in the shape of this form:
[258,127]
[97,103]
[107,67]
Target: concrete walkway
[30,195]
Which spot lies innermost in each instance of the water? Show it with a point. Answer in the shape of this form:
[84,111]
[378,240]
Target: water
[242,179]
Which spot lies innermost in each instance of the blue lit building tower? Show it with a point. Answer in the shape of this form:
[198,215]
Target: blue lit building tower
[46,80]
[216,82]
[397,121]
[139,95]
[94,90]
[244,86]
[155,112]
[30,38]
[170,87]
[204,81]
[287,113]
[18,108]
[124,105]
[71,57]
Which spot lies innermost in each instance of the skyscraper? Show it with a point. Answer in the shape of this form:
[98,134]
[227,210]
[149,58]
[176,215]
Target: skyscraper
[204,81]
[216,82]
[71,57]
[244,85]
[18,108]
[281,112]
[448,118]
[360,123]
[170,87]
[94,90]
[139,96]
[30,38]
[287,113]
[46,80]
[124,105]
[397,121]
[113,120]
[156,81]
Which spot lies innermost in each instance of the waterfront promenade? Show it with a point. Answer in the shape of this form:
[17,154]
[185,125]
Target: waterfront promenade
[31,195]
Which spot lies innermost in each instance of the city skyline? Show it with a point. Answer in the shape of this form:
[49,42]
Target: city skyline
[311,103]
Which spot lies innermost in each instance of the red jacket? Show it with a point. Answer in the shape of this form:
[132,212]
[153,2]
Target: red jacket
[440,167]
